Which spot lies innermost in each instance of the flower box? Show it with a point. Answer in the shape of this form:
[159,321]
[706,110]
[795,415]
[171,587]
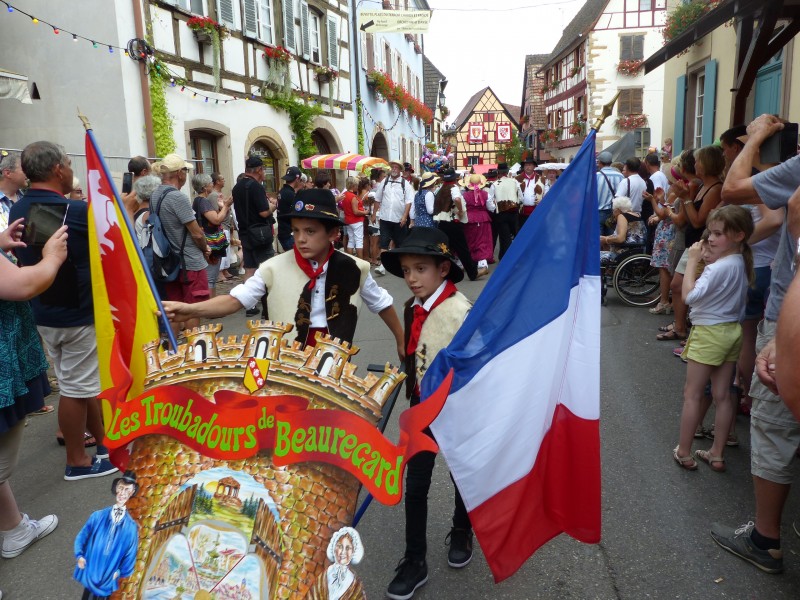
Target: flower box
[202,36]
[325,74]
[630,122]
[629,67]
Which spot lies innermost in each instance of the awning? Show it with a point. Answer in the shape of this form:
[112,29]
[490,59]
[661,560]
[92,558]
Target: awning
[724,12]
[344,162]
[14,87]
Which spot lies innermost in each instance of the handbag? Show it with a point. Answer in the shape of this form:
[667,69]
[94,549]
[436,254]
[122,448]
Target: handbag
[215,237]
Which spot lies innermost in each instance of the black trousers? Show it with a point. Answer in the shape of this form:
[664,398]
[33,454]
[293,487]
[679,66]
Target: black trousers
[87,595]
[506,229]
[419,471]
[458,244]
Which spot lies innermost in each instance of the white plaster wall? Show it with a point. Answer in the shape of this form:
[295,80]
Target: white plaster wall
[605,81]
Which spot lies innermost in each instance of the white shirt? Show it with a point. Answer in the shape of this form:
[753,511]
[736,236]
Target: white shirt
[118,513]
[529,193]
[434,297]
[375,297]
[633,187]
[429,198]
[720,293]
[660,181]
[393,201]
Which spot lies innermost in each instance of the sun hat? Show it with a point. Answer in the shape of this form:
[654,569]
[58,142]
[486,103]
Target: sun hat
[428,180]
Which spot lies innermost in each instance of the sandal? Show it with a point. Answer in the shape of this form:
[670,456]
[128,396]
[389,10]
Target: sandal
[711,460]
[669,327]
[45,410]
[671,336]
[684,462]
[88,440]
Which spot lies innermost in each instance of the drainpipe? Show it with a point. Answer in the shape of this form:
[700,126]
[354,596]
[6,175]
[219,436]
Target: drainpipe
[138,20]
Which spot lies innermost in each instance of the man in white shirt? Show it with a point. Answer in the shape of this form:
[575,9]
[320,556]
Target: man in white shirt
[608,182]
[634,186]
[657,176]
[394,197]
[508,198]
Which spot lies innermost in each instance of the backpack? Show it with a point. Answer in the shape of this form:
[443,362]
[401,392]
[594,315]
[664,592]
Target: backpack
[163,262]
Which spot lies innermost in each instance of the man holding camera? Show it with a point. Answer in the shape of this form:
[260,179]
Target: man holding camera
[774,431]
[254,213]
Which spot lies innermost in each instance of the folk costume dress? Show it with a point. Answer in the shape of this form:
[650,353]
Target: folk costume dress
[478,229]
[451,222]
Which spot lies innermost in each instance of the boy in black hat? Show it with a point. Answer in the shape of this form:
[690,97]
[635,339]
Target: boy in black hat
[312,286]
[106,546]
[431,317]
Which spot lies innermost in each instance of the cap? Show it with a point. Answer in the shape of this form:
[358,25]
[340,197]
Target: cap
[172,162]
[253,162]
[292,173]
[605,157]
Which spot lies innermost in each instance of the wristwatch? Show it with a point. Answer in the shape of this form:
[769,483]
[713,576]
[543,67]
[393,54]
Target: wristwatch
[685,202]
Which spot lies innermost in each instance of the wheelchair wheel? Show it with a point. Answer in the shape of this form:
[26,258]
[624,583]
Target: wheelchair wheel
[636,282]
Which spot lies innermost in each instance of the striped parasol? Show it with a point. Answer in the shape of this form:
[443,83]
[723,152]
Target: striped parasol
[344,162]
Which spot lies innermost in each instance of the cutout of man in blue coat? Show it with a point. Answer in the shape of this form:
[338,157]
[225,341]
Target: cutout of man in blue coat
[106,546]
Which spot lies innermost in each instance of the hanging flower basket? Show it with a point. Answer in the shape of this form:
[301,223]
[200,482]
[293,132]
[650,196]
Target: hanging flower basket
[208,30]
[629,122]
[549,136]
[277,54]
[390,91]
[629,67]
[325,74]
[577,129]
[684,15]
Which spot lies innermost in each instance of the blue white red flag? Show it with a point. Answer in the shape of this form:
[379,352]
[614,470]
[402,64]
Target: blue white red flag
[520,429]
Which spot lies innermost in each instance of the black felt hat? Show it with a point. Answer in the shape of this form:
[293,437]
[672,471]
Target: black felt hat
[128,477]
[426,241]
[528,158]
[448,174]
[314,203]
[502,168]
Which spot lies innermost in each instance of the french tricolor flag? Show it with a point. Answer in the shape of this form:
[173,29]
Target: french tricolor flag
[520,429]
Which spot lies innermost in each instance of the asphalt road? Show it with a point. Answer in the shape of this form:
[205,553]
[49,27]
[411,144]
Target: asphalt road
[656,517]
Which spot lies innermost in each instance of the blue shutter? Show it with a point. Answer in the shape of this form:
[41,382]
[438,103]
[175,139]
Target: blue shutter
[680,115]
[709,102]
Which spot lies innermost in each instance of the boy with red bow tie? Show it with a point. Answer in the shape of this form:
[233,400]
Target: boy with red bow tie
[431,318]
[312,286]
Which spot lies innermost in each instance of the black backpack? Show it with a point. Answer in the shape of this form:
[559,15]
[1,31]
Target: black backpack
[163,262]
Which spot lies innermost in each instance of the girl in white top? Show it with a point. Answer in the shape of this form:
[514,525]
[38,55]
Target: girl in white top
[717,300]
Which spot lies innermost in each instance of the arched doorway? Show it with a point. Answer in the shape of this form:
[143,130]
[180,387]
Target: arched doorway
[267,156]
[323,147]
[380,148]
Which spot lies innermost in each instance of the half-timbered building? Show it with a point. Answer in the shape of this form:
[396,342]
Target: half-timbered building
[484,124]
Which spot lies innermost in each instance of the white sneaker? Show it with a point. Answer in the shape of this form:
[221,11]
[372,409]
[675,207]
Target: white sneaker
[380,270]
[16,540]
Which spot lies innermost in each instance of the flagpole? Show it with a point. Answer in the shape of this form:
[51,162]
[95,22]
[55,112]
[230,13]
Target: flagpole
[151,284]
[606,112]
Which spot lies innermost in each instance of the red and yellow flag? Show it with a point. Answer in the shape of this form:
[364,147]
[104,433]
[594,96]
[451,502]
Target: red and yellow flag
[124,305]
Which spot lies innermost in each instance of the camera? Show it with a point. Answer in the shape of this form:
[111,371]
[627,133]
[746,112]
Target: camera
[780,146]
[127,183]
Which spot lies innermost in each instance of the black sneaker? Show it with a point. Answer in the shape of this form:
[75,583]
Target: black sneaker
[411,575]
[252,312]
[739,541]
[460,542]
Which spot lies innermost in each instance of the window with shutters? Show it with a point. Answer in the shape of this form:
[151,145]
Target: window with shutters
[196,7]
[473,160]
[370,52]
[630,102]
[387,59]
[258,20]
[314,37]
[699,108]
[333,41]
[226,13]
[631,47]
[288,26]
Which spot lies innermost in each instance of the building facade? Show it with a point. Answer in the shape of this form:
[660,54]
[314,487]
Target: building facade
[533,119]
[182,94]
[704,91]
[391,65]
[600,53]
[480,129]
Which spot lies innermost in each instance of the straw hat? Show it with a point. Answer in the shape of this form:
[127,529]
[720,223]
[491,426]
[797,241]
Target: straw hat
[428,180]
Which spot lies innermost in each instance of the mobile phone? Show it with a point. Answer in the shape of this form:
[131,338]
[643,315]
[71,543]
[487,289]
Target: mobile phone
[42,221]
[780,146]
[127,183]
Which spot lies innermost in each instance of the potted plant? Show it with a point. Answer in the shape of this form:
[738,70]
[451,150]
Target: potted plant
[576,129]
[629,67]
[278,59]
[629,122]
[206,29]
[684,15]
[445,111]
[325,74]
[575,70]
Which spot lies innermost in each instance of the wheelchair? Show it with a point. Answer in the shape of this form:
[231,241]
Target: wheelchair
[630,274]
